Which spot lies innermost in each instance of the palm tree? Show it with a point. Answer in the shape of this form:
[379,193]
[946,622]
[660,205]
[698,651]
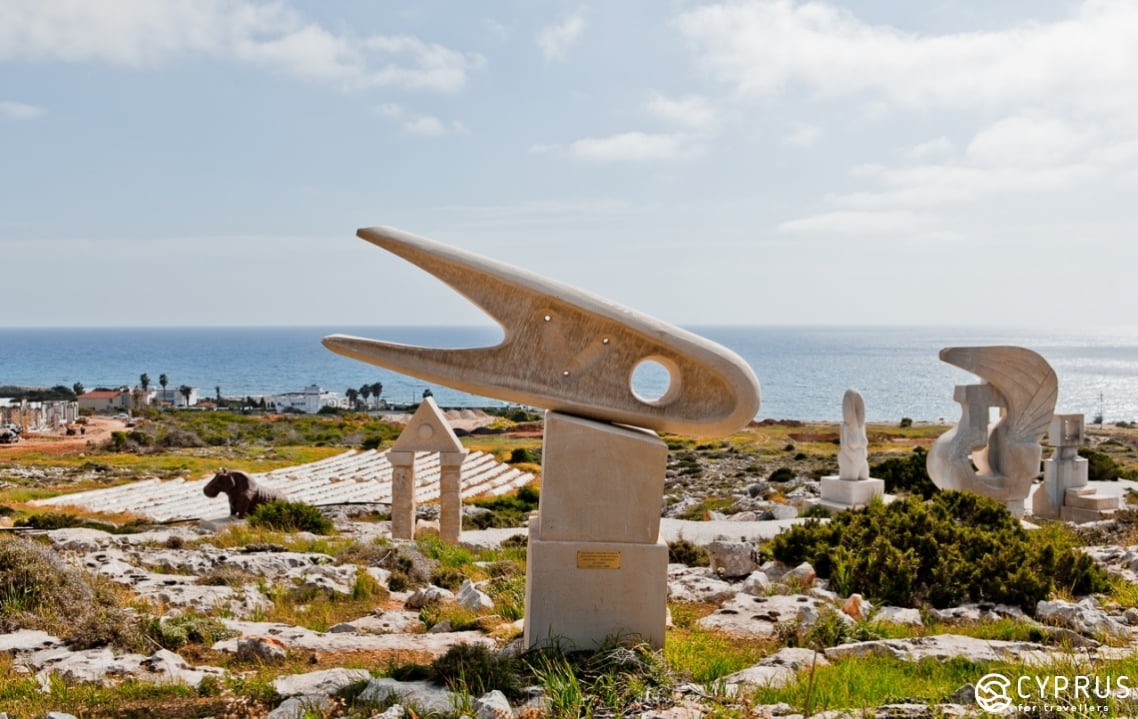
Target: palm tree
[186,390]
[77,388]
[144,380]
[351,394]
[365,392]
[376,391]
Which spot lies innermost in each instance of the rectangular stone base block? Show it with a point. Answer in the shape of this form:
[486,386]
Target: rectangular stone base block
[579,594]
[844,493]
[1089,498]
[1078,515]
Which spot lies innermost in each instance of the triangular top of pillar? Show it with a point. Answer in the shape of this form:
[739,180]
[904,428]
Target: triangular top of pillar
[428,431]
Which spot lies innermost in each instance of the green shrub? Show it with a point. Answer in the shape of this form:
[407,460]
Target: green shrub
[521,455]
[176,632]
[476,670]
[511,510]
[907,474]
[290,517]
[38,590]
[782,474]
[906,422]
[1101,467]
[683,551]
[958,547]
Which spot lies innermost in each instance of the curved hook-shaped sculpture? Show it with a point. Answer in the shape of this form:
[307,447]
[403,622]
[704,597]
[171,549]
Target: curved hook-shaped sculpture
[1007,458]
[565,349]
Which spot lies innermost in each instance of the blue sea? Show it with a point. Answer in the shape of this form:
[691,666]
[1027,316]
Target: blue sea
[803,370]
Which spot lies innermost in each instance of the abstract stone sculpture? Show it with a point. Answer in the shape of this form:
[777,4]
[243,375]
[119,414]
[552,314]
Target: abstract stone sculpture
[853,487]
[244,493]
[1007,456]
[596,567]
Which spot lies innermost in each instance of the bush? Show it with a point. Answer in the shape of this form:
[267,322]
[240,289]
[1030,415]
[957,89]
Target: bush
[958,547]
[290,517]
[176,632]
[906,422]
[782,474]
[38,590]
[906,474]
[476,670]
[683,551]
[1101,467]
[511,510]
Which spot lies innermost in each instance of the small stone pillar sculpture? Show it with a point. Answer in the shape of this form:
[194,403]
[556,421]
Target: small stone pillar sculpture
[428,431]
[1064,493]
[853,487]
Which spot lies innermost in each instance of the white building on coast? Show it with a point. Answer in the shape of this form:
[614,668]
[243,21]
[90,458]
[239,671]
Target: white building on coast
[310,400]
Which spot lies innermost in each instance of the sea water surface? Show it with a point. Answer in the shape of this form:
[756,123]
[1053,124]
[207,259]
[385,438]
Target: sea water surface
[803,370]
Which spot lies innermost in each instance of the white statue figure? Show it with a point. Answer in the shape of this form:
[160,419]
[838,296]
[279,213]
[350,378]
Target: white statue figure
[1007,455]
[852,462]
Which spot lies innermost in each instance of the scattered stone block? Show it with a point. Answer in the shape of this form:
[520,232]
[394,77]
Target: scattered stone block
[732,559]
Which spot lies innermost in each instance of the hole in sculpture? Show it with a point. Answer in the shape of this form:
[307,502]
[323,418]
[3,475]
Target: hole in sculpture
[655,380]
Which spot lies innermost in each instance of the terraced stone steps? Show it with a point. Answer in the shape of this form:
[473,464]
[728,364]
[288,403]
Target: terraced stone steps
[352,477]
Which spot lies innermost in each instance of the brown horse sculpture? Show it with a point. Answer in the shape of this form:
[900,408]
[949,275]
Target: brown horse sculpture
[243,492]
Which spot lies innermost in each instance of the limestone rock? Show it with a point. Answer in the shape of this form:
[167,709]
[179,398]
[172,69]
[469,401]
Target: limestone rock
[757,583]
[941,647]
[303,706]
[268,650]
[697,584]
[1082,617]
[777,670]
[426,697]
[899,615]
[493,705]
[857,608]
[801,576]
[732,559]
[751,616]
[324,682]
[427,596]
[473,599]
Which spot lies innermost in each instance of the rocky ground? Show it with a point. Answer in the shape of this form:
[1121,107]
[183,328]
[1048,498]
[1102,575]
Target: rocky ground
[749,600]
[738,595]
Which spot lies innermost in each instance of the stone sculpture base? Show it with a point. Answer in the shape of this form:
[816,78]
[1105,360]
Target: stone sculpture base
[1066,496]
[839,494]
[579,594]
[596,566]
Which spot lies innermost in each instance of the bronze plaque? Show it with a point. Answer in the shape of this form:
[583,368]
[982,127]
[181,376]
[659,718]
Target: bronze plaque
[598,560]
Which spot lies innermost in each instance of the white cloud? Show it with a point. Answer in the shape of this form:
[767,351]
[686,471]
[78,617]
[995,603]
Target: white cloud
[1026,142]
[146,33]
[940,147]
[20,110]
[555,40]
[804,136]
[691,111]
[763,48]
[414,124]
[633,146]
[856,223]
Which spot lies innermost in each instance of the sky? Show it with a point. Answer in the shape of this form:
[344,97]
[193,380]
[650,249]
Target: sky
[762,162]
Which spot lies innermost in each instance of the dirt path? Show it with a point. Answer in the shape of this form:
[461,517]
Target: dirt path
[98,431]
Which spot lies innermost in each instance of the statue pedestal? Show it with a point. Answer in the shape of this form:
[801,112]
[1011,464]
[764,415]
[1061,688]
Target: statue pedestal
[1064,493]
[839,494]
[596,566]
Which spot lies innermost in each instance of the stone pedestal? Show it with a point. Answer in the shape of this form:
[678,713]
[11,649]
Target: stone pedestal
[838,493]
[596,566]
[1065,494]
